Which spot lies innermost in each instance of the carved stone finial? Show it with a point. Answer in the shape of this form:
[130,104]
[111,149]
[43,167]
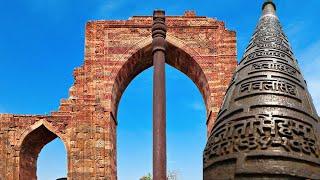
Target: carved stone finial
[269,7]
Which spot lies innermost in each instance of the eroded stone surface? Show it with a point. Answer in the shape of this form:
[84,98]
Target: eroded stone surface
[268,127]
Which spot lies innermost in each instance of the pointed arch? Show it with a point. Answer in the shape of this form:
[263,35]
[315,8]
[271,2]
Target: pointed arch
[37,124]
[31,143]
[180,57]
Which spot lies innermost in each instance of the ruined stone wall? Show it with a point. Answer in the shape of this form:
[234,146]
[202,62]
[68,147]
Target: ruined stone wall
[115,52]
[21,140]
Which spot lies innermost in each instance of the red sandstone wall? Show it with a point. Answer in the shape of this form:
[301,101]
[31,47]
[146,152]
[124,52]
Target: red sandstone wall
[115,52]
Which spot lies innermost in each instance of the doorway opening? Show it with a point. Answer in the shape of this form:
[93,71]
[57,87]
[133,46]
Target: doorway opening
[42,156]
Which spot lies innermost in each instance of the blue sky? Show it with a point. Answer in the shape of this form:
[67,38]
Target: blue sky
[42,41]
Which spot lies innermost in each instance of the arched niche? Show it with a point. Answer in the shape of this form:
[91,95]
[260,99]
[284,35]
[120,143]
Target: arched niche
[31,143]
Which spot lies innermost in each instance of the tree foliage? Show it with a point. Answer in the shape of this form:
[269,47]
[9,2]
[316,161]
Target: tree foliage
[172,175]
[147,177]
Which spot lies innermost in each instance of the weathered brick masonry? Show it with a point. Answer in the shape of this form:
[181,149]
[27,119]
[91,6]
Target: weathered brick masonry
[115,52]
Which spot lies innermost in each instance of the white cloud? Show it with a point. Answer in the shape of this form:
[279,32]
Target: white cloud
[109,6]
[197,106]
[309,60]
[310,57]
[294,29]
[314,89]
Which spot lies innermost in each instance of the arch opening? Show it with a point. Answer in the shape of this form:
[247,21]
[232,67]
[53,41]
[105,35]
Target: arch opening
[31,147]
[186,128]
[142,59]
[184,64]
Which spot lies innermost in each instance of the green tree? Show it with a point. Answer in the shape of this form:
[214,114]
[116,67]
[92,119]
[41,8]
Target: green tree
[172,175]
[147,177]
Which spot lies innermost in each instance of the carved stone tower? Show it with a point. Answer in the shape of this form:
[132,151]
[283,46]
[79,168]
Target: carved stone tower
[267,127]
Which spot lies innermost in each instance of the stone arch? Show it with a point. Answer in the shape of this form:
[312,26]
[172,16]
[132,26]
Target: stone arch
[179,56]
[30,145]
[115,52]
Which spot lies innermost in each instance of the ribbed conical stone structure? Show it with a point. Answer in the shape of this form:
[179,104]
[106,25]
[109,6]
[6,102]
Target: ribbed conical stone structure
[268,126]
